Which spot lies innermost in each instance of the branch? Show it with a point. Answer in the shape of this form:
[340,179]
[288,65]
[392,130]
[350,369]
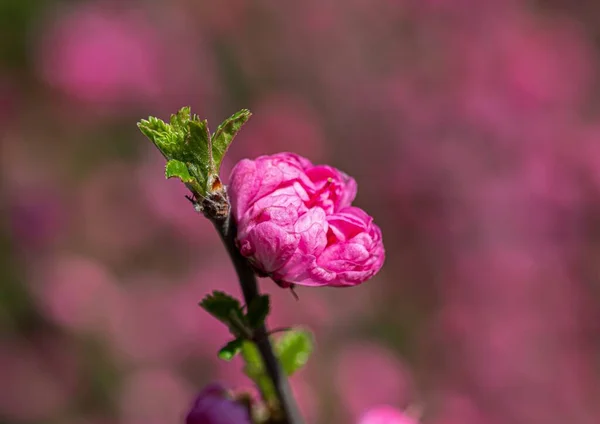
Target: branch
[227,229]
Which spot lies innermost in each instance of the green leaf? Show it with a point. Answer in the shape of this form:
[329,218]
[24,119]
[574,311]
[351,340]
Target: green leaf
[254,365]
[168,138]
[230,350]
[197,151]
[293,349]
[223,307]
[258,310]
[225,134]
[179,120]
[184,139]
[187,139]
[177,169]
[255,370]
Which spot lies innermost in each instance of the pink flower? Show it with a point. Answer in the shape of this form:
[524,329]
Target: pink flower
[386,415]
[296,223]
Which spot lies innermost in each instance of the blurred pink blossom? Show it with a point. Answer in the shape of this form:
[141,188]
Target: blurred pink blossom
[99,52]
[386,415]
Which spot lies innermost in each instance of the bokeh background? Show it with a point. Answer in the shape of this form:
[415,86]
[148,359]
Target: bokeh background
[473,130]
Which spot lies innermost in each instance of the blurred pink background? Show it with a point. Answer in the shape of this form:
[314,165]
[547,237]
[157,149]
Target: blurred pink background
[471,126]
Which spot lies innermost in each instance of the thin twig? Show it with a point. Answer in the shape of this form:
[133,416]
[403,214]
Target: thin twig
[227,229]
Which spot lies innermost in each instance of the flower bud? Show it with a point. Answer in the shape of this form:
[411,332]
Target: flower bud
[296,223]
[213,406]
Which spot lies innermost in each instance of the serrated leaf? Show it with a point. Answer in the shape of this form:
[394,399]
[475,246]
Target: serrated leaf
[180,119]
[222,306]
[225,134]
[258,310]
[230,350]
[198,146]
[255,370]
[169,138]
[178,169]
[293,349]
[198,172]
[187,139]
[152,127]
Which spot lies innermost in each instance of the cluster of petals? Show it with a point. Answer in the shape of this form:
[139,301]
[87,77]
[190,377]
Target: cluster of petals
[296,223]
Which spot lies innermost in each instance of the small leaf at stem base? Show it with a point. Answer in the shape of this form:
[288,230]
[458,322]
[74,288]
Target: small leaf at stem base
[230,350]
[254,368]
[293,349]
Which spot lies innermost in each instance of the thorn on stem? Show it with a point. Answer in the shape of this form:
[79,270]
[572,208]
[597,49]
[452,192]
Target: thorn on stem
[293,290]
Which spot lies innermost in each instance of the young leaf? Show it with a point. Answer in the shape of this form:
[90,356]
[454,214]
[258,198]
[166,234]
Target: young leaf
[258,310]
[187,139]
[230,350]
[293,349]
[225,134]
[177,169]
[180,119]
[153,128]
[168,138]
[253,361]
[255,370]
[222,306]
[198,147]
